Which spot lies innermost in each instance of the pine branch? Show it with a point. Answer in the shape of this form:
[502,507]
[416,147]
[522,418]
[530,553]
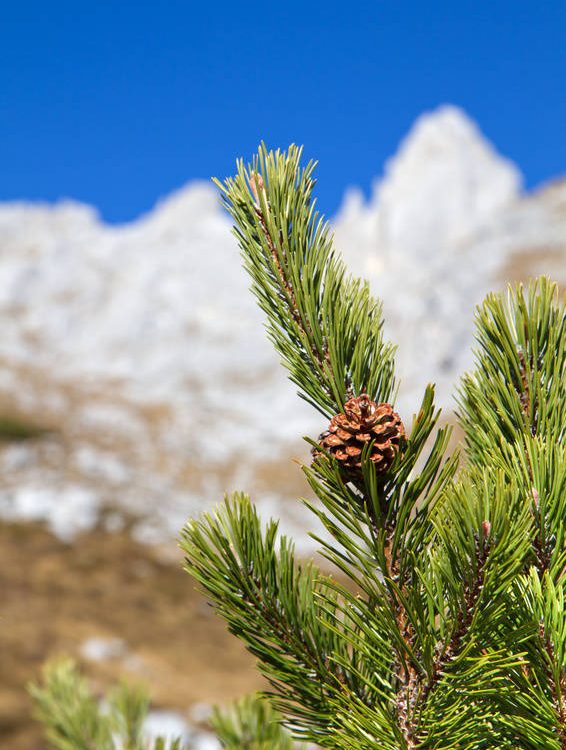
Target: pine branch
[382,523]
[283,612]
[448,651]
[544,600]
[557,683]
[68,710]
[322,356]
[325,325]
[517,388]
[251,724]
[513,408]
[74,719]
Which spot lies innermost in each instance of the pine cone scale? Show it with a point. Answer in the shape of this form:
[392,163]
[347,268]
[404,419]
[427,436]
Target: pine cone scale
[352,450]
[333,440]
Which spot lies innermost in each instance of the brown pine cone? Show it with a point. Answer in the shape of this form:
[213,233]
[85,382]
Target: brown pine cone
[364,421]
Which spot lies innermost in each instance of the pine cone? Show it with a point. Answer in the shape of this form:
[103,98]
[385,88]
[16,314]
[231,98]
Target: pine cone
[364,421]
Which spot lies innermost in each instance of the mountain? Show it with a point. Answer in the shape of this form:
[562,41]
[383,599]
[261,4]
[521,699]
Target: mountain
[142,347]
[143,351]
[447,224]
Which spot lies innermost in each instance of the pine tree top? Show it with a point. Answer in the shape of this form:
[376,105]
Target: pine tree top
[452,631]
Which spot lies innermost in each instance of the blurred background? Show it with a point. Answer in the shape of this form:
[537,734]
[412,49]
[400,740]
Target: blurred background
[136,382]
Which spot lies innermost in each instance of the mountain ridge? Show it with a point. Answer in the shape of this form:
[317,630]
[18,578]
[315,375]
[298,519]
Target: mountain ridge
[142,343]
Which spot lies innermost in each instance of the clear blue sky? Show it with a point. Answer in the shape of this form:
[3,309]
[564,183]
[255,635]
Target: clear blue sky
[118,103]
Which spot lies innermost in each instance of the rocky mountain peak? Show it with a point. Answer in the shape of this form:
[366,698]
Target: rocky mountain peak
[445,181]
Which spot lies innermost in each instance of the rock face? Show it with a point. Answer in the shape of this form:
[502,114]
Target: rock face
[445,182]
[444,226]
[142,346]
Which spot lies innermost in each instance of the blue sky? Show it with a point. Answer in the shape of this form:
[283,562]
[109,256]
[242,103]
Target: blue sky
[118,103]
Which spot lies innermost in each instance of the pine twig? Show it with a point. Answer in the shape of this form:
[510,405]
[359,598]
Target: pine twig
[256,183]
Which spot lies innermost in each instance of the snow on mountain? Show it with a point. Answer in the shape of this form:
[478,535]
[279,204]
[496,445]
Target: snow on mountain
[143,346]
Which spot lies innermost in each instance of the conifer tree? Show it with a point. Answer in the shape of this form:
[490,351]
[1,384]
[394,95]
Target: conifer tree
[447,626]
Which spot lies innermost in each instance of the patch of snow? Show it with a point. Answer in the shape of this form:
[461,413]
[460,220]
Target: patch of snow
[68,511]
[114,522]
[17,457]
[101,465]
[200,713]
[103,649]
[204,741]
[148,532]
[167,724]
